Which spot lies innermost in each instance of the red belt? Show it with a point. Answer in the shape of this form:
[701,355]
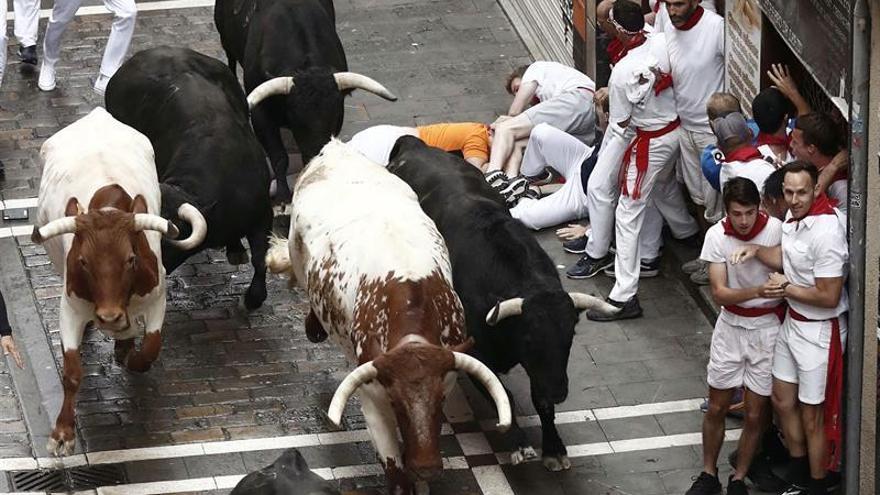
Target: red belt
[833,390]
[778,310]
[642,145]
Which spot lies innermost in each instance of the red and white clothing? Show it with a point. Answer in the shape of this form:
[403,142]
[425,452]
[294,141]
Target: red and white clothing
[554,78]
[745,162]
[745,334]
[838,190]
[631,98]
[763,142]
[639,91]
[661,18]
[696,54]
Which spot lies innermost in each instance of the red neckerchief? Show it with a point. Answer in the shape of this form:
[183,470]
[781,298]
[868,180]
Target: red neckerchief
[657,6]
[695,18]
[760,223]
[822,205]
[744,154]
[773,140]
[662,82]
[615,48]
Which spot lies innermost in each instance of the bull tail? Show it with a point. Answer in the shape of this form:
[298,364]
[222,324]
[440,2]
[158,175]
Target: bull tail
[278,256]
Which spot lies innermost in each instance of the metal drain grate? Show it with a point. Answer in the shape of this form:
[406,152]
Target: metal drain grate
[78,478]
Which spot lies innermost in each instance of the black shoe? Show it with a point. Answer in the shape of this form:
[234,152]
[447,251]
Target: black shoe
[576,246]
[588,266]
[736,487]
[628,310]
[515,188]
[647,269]
[28,54]
[545,177]
[705,484]
[497,179]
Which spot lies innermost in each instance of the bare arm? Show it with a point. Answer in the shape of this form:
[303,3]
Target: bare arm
[838,163]
[783,81]
[825,294]
[476,161]
[724,295]
[523,96]
[769,255]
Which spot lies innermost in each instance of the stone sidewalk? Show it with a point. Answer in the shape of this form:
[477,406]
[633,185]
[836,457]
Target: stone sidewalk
[225,375]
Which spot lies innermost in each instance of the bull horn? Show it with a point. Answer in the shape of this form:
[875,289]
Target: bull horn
[362,374]
[146,221]
[275,86]
[192,216]
[586,301]
[481,372]
[504,309]
[353,80]
[63,225]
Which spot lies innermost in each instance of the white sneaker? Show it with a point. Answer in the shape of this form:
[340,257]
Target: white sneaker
[101,84]
[46,82]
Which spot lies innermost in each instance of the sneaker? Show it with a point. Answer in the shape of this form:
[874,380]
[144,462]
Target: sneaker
[545,177]
[532,193]
[701,276]
[705,484]
[795,490]
[760,472]
[588,267]
[576,246]
[692,266]
[28,54]
[101,84]
[629,309]
[496,179]
[515,188]
[647,269]
[736,487]
[46,82]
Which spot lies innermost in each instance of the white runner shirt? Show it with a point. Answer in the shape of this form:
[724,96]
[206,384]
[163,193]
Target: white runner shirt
[756,170]
[554,79]
[631,87]
[718,247]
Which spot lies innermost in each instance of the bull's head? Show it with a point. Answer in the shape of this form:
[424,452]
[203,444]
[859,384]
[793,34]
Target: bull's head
[413,376]
[314,103]
[542,331]
[110,259]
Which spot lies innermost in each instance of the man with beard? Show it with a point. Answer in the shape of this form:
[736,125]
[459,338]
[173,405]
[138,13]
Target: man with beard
[808,359]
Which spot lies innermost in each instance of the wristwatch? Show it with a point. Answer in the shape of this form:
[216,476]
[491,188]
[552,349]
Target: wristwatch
[784,285]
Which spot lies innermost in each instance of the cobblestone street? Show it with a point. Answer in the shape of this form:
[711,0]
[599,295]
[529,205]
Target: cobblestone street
[231,390]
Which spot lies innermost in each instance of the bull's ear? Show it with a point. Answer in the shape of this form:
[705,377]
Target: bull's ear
[73,208]
[139,204]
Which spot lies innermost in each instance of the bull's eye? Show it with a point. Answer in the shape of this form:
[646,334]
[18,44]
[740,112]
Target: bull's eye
[132,261]
[83,263]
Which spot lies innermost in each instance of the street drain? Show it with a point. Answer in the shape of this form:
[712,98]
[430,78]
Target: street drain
[77,478]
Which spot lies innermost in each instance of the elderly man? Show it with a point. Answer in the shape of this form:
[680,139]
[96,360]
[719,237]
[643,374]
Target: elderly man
[121,32]
[808,359]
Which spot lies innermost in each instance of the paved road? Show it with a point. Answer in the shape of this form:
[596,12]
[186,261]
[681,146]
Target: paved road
[225,376]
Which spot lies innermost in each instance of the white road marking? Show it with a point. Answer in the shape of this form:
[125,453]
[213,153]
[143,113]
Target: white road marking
[492,481]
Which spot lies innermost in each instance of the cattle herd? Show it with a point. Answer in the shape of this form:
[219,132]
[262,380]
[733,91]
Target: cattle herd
[416,271]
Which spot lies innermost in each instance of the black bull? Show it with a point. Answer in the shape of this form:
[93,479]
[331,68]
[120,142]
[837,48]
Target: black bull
[195,115]
[515,306]
[290,40]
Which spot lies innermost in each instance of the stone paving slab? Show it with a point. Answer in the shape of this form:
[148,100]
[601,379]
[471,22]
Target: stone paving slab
[227,375]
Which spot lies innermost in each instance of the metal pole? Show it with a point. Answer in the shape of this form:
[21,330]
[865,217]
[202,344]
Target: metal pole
[859,114]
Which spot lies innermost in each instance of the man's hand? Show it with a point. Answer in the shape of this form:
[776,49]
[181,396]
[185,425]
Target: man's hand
[777,278]
[572,232]
[770,290]
[744,254]
[500,119]
[783,81]
[8,345]
[838,163]
[600,98]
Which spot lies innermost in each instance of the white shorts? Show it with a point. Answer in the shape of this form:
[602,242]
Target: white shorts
[742,357]
[801,356]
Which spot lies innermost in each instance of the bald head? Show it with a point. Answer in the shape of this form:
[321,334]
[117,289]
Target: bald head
[721,104]
[603,12]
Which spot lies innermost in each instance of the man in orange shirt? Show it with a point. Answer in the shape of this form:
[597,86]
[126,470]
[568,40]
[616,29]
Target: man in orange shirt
[469,138]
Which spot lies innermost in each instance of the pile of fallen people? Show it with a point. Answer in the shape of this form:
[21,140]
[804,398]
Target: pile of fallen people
[770,197]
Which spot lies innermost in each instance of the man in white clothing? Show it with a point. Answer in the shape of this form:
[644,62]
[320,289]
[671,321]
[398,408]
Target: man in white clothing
[695,38]
[741,157]
[27,17]
[815,139]
[559,96]
[638,152]
[741,354]
[121,32]
[808,358]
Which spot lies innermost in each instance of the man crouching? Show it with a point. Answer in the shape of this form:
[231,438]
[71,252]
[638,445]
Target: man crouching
[745,332]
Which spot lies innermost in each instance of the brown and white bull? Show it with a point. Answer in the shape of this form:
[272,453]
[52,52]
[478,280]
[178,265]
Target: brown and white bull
[98,192]
[378,280]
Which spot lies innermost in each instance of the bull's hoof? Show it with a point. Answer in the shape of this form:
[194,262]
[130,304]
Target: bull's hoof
[523,454]
[253,298]
[62,442]
[237,257]
[556,463]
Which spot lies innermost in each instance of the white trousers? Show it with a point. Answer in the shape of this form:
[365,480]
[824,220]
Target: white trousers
[551,147]
[702,193]
[124,15]
[27,17]
[630,213]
